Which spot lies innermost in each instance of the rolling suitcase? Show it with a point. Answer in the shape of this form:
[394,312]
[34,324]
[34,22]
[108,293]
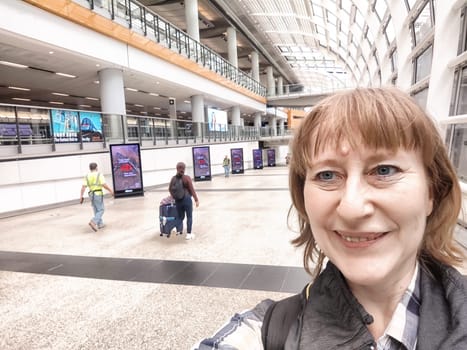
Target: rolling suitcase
[168,219]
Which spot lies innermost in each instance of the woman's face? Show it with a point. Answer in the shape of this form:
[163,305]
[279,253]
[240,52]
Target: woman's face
[367,211]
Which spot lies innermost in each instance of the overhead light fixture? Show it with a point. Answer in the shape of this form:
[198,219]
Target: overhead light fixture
[157,108]
[11,64]
[186,101]
[59,94]
[153,94]
[131,89]
[21,99]
[92,98]
[96,82]
[85,106]
[18,88]
[66,75]
[51,52]
[137,105]
[55,103]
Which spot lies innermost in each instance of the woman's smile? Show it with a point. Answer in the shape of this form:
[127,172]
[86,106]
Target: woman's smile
[359,239]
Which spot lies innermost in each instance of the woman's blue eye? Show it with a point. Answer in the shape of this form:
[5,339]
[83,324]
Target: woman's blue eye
[385,170]
[326,175]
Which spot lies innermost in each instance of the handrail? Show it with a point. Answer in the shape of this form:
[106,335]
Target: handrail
[31,126]
[165,33]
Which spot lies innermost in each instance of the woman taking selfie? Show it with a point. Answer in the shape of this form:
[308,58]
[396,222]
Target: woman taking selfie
[377,201]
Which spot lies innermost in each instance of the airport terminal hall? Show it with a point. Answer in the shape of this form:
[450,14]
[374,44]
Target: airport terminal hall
[233,174]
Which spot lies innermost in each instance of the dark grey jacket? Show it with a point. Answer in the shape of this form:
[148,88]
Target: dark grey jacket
[332,318]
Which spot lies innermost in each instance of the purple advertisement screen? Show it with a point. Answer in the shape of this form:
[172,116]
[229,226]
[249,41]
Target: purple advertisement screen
[237,160]
[271,157]
[126,169]
[201,163]
[258,159]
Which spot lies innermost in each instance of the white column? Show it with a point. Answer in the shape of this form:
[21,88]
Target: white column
[280,86]
[258,120]
[255,65]
[271,86]
[272,126]
[281,126]
[235,115]
[287,91]
[197,113]
[112,95]
[191,17]
[232,46]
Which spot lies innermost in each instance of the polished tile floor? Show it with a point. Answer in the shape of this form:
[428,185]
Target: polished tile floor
[62,286]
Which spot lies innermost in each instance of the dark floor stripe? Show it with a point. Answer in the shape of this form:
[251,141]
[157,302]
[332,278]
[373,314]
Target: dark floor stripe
[230,189]
[194,273]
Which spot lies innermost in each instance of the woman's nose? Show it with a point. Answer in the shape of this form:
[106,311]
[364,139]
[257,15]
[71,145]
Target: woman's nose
[355,201]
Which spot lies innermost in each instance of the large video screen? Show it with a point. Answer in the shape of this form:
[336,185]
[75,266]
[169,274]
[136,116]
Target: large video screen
[91,126]
[258,158]
[271,157]
[201,163]
[127,173]
[217,120]
[236,154]
[65,125]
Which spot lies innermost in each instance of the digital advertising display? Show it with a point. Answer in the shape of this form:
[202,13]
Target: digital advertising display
[258,159]
[217,120]
[236,154]
[127,173]
[65,125]
[91,126]
[201,163]
[271,157]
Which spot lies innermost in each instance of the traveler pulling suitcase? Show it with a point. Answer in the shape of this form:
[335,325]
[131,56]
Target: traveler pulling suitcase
[168,219]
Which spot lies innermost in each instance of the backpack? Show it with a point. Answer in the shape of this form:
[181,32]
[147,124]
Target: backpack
[177,189]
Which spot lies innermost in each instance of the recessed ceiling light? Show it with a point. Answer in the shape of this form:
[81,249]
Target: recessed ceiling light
[11,64]
[153,94]
[66,75]
[84,105]
[18,88]
[59,94]
[21,99]
[98,65]
[92,98]
[55,102]
[137,105]
[157,108]
[51,52]
[96,81]
[131,89]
